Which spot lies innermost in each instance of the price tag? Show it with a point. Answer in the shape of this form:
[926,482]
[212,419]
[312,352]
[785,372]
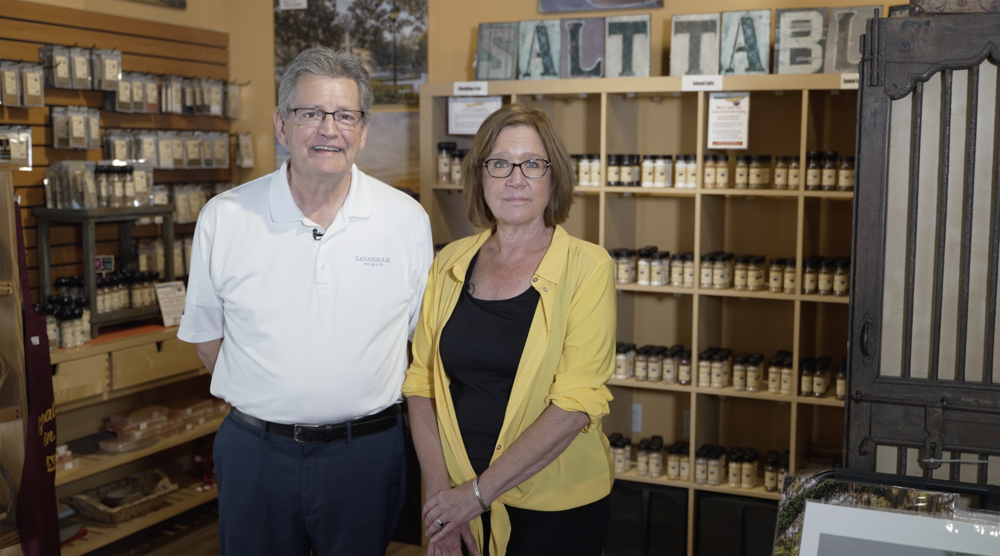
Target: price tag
[10,82]
[216,97]
[193,150]
[80,66]
[95,127]
[151,94]
[701,83]
[149,149]
[120,148]
[78,126]
[166,155]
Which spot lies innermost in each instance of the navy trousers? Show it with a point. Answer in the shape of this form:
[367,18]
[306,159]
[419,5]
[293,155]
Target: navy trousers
[277,496]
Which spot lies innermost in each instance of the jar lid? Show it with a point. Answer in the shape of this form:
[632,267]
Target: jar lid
[708,257]
[844,159]
[661,255]
[807,364]
[629,252]
[813,155]
[794,158]
[790,262]
[781,159]
[614,160]
[822,364]
[777,262]
[828,264]
[844,262]
[762,158]
[743,158]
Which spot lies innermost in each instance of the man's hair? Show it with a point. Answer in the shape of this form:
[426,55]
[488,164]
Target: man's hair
[561,171]
[324,61]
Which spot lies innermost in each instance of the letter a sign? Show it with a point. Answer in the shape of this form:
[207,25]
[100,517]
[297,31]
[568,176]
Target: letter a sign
[539,50]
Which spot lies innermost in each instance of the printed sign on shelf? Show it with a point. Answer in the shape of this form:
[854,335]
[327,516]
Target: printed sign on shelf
[728,120]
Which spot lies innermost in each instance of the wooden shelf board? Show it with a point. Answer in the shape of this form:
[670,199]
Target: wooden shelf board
[84,402]
[843,195]
[729,192]
[643,86]
[9,412]
[9,538]
[114,341]
[101,534]
[843,299]
[654,289]
[648,191]
[649,385]
[95,463]
[747,294]
[756,492]
[828,400]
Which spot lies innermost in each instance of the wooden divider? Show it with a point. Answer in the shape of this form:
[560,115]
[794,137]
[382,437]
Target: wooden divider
[147,47]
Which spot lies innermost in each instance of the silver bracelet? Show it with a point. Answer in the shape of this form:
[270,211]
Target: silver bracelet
[475,487]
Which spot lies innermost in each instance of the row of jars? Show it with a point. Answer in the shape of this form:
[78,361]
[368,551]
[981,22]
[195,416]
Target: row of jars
[653,363]
[125,290]
[824,171]
[718,369]
[449,163]
[67,321]
[711,465]
[649,266]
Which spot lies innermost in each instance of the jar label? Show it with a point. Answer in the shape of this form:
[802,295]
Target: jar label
[677,275]
[829,178]
[644,273]
[812,177]
[825,282]
[819,385]
[719,277]
[840,284]
[627,175]
[661,175]
[706,277]
[841,387]
[700,473]
[756,177]
[685,470]
[786,384]
[62,66]
[456,173]
[810,282]
[689,278]
[845,178]
[780,176]
[741,176]
[739,380]
[722,176]
[444,166]
[584,175]
[648,175]
[770,480]
[614,173]
[685,373]
[806,384]
[709,175]
[789,281]
[755,280]
[793,177]
[776,278]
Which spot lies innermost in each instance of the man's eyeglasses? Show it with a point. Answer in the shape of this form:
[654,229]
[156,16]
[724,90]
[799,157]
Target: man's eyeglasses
[533,168]
[345,119]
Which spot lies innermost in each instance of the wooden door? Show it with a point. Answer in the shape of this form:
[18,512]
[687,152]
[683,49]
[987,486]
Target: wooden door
[926,246]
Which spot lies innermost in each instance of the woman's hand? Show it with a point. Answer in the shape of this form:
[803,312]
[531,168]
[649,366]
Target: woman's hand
[454,507]
[451,545]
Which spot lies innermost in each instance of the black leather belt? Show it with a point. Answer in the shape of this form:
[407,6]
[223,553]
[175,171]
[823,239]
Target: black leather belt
[318,434]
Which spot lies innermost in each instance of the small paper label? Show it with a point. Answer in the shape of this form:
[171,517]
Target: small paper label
[166,156]
[120,149]
[130,189]
[189,96]
[193,149]
[149,149]
[62,128]
[95,127]
[80,66]
[221,152]
[178,149]
[849,81]
[111,69]
[137,94]
[216,97]
[151,97]
[140,181]
[10,83]
[78,126]
[293,4]
[33,83]
[62,67]
[471,89]
[18,150]
[88,183]
[701,83]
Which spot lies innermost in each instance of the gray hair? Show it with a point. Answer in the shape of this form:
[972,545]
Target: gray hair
[324,61]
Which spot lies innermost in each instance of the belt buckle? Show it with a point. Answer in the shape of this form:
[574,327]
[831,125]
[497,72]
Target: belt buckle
[312,434]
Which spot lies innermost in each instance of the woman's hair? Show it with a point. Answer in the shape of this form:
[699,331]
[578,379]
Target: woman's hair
[561,172]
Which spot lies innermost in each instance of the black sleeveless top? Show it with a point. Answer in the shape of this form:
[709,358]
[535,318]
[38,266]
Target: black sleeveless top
[481,346]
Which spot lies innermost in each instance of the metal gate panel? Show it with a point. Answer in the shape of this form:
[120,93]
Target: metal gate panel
[923,391]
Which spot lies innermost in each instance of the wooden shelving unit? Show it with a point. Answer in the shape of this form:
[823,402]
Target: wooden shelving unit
[789,115]
[97,463]
[102,534]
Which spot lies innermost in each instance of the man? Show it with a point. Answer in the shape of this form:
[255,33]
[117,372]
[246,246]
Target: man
[304,288]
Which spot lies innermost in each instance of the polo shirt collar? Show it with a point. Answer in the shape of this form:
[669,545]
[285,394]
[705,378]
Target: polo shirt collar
[550,269]
[358,203]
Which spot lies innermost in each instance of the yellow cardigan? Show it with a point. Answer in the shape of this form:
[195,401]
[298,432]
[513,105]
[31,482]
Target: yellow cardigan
[567,360]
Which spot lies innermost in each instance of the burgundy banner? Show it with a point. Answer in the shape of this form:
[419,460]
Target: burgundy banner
[37,517]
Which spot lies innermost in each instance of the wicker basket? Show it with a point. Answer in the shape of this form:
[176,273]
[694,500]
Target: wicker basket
[153,485]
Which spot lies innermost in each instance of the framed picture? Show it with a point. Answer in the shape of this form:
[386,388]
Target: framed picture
[556,6]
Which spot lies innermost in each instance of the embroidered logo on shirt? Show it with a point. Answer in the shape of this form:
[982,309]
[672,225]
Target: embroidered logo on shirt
[371,261]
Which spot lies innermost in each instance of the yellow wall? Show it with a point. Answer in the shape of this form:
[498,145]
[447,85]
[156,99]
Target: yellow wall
[453,25]
[250,24]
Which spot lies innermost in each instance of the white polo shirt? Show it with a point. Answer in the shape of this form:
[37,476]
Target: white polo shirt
[314,331]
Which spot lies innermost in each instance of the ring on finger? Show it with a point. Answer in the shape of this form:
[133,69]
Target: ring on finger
[441,523]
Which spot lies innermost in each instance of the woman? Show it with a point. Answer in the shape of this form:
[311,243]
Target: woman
[516,341]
